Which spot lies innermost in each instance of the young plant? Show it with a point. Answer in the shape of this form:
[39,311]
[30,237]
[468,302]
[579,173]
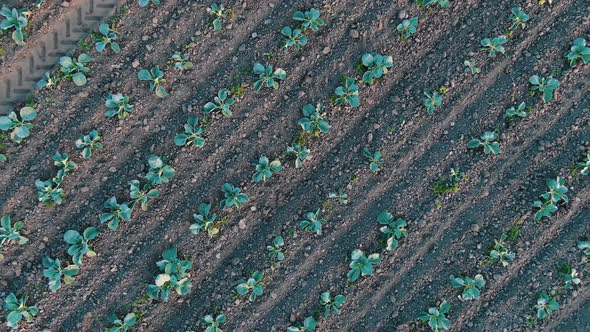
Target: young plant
[15,19]
[117,213]
[3,158]
[295,37]
[313,121]
[252,286]
[118,104]
[9,233]
[427,3]
[221,103]
[205,221]
[217,11]
[376,66]
[78,244]
[585,165]
[192,134]
[578,51]
[361,265]
[570,277]
[471,67]
[407,27]
[450,183]
[348,93]
[55,273]
[341,196]
[106,38]
[174,276]
[487,141]
[546,86]
[181,61]
[267,77]
[313,222]
[75,70]
[141,195]
[585,247]
[437,317]
[18,125]
[310,19]
[265,169]
[331,305]
[49,192]
[234,197]
[17,310]
[47,81]
[374,158]
[551,198]
[301,154]
[308,325]
[159,172]
[499,252]
[123,325]
[63,162]
[213,323]
[156,78]
[393,229]
[494,45]
[143,3]
[88,143]
[545,306]
[518,18]
[275,251]
[432,101]
[512,112]
[471,286]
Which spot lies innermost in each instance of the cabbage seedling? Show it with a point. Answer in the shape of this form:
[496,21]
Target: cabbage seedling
[331,305]
[393,229]
[118,104]
[55,273]
[546,86]
[436,317]
[252,286]
[78,244]
[310,19]
[218,11]
[16,19]
[487,141]
[141,195]
[159,172]
[450,183]
[578,51]
[309,325]
[181,61]
[174,276]
[19,125]
[156,78]
[499,252]
[9,233]
[432,101]
[63,162]
[88,143]
[192,134]
[301,154]
[361,265]
[123,325]
[348,93]
[512,112]
[585,164]
[494,45]
[313,120]
[313,222]
[376,66]
[295,37]
[221,103]
[234,197]
[205,221]
[427,3]
[275,251]
[49,192]
[518,18]
[213,323]
[106,38]
[551,198]
[265,169]
[47,81]
[117,213]
[374,158]
[407,27]
[75,70]
[471,286]
[143,3]
[471,67]
[545,306]
[585,247]
[267,77]
[546,209]
[3,158]
[341,196]
[570,277]
[17,310]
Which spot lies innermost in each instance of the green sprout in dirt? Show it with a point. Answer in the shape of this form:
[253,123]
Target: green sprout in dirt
[570,277]
[19,125]
[265,169]
[118,104]
[361,265]
[432,101]
[393,229]
[471,286]
[494,46]
[487,141]
[221,103]
[449,183]
[341,196]
[308,325]
[75,70]
[585,247]
[122,325]
[546,86]
[205,221]
[437,317]
[107,37]
[78,245]
[47,81]
[252,286]
[17,310]
[143,3]
[499,252]
[376,66]
[192,134]
[267,77]
[427,3]
[234,197]
[116,213]
[3,158]
[217,11]
[374,158]
[156,78]
[471,66]
[313,222]
[173,276]
[159,172]
[518,18]
[55,273]
[181,61]
[551,198]
[348,93]
[513,112]
[585,165]
[49,192]
[10,232]
[275,251]
[88,143]
[545,306]
[331,305]
[313,120]
[295,37]
[310,19]
[578,51]
[301,154]
[63,162]
[213,323]
[407,27]
[141,195]
[17,20]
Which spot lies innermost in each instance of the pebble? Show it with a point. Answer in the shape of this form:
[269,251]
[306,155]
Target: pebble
[402,14]
[326,50]
[254,35]
[354,34]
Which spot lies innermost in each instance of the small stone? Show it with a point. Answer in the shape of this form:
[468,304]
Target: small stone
[326,50]
[84,189]
[354,34]
[402,14]
[254,35]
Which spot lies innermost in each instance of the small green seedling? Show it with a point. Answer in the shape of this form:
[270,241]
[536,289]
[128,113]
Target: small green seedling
[518,18]
[471,286]
[181,61]
[450,183]
[78,244]
[570,277]
[310,19]
[192,134]
[117,213]
[393,229]
[585,247]
[75,70]
[174,276]
[437,317]
[55,273]
[17,20]
[295,37]
[143,3]
[348,93]
[252,286]
[551,198]
[217,11]
[308,325]
[49,192]
[265,169]
[3,158]
[107,38]
[376,66]
[88,143]
[159,172]
[141,195]
[545,306]
[234,197]
[63,162]
[313,120]
[19,125]
[9,233]
[432,101]
[427,3]
[585,165]
[301,154]
[331,305]
[275,251]
[578,51]
[494,46]
[118,104]
[17,310]
[267,77]
[313,222]
[48,81]
[205,221]
[499,252]
[156,78]
[512,112]
[221,103]
[407,27]
[361,265]
[487,141]
[471,66]
[546,86]
[374,158]
[341,196]
[213,324]
[122,325]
